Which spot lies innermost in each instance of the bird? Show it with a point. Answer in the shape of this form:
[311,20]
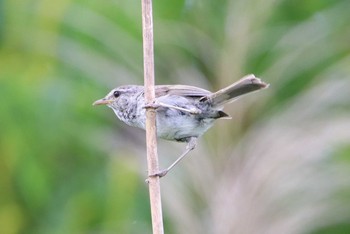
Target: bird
[183,113]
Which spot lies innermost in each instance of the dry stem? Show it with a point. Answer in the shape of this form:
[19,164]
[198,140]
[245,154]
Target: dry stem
[152,157]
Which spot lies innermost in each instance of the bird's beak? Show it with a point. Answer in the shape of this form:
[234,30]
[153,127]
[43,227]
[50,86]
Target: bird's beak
[102,101]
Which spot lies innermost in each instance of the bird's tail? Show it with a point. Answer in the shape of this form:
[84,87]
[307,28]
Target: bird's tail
[247,84]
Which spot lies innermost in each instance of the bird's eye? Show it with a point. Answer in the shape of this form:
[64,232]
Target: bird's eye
[116,94]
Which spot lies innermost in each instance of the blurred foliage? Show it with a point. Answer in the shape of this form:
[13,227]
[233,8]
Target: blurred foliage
[281,166]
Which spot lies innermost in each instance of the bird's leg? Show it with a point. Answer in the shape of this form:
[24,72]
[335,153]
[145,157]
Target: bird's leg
[191,144]
[156,105]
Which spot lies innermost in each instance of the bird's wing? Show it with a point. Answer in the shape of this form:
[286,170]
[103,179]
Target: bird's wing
[180,90]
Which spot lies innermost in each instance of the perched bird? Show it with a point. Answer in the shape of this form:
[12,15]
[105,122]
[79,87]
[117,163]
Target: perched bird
[184,112]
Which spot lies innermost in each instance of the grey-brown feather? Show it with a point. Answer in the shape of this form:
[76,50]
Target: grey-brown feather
[180,90]
[245,85]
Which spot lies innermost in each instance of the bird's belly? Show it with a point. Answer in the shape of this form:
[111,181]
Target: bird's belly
[180,127]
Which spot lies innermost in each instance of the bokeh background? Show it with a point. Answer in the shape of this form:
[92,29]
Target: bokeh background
[281,165]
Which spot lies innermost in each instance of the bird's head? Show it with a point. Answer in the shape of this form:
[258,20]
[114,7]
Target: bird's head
[119,97]
[109,99]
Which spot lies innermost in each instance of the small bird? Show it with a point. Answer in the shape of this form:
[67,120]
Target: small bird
[184,113]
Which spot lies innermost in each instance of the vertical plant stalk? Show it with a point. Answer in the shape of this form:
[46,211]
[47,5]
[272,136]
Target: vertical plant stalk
[151,137]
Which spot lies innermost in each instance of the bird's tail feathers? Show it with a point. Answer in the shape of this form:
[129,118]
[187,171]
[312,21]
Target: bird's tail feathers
[247,84]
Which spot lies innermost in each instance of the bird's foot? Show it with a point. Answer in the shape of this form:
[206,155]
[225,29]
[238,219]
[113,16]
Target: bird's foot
[154,105]
[160,174]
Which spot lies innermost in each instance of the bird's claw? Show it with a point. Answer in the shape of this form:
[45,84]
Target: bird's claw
[160,174]
[153,105]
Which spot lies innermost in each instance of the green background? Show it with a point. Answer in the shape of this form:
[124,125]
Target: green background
[281,165]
